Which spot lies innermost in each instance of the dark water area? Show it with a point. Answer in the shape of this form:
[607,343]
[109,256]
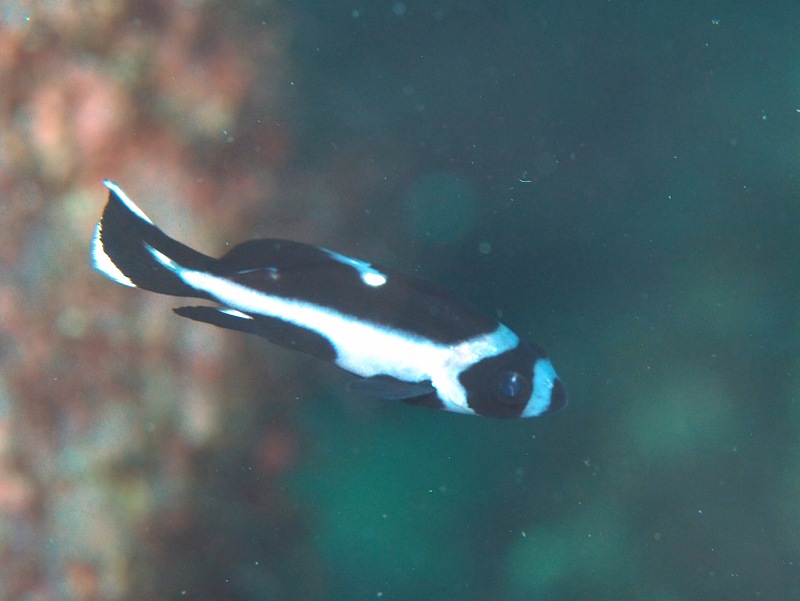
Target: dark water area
[633,167]
[618,182]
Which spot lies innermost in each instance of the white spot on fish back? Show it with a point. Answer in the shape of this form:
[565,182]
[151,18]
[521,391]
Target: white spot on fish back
[369,275]
[373,279]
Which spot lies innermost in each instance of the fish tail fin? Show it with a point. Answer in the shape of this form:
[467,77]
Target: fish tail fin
[130,250]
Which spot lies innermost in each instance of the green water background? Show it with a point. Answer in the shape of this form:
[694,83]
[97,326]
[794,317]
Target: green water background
[633,168]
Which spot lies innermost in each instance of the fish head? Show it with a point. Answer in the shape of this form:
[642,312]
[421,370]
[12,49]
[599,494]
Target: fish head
[520,382]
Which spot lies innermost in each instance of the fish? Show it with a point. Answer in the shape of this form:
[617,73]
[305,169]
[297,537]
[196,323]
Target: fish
[404,338]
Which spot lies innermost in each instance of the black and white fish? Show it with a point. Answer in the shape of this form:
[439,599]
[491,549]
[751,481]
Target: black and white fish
[406,339]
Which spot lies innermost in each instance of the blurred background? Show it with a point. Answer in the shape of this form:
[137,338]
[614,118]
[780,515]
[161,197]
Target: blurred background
[618,182]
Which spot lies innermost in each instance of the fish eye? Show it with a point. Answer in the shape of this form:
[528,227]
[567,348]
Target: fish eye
[511,387]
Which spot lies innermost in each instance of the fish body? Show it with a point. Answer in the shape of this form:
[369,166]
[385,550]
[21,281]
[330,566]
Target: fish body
[406,339]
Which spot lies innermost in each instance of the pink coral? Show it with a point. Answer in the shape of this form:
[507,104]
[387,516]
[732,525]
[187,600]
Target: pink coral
[108,406]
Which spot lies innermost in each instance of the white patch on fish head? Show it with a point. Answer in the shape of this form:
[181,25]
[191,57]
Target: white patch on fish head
[544,378]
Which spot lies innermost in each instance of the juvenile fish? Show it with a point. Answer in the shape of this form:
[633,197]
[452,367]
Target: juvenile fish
[406,339]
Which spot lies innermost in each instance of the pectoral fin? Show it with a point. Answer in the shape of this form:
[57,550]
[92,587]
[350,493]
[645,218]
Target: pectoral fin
[391,389]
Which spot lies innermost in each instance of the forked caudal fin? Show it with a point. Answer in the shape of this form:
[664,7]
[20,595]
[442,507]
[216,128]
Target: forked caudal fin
[130,250]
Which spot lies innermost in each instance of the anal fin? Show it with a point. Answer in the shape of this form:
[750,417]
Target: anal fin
[391,389]
[224,318]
